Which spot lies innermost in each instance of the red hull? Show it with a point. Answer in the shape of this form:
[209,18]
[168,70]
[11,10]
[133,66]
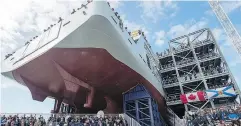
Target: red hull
[88,78]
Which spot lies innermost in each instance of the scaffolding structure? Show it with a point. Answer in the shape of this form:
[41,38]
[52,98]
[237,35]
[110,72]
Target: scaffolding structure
[139,105]
[192,63]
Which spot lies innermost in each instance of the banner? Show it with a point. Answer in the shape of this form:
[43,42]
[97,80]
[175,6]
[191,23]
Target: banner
[221,92]
[135,35]
[192,97]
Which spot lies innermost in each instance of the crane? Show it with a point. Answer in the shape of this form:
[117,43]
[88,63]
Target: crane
[227,25]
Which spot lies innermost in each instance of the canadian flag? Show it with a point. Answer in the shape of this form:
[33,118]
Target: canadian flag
[192,97]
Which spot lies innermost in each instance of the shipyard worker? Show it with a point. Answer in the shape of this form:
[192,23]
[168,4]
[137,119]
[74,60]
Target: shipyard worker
[100,114]
[195,74]
[233,116]
[62,108]
[121,23]
[73,11]
[219,69]
[60,19]
[190,76]
[222,114]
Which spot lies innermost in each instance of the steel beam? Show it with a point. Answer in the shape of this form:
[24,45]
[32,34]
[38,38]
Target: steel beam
[178,76]
[225,62]
[199,68]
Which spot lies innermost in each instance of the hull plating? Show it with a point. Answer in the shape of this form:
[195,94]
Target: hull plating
[72,77]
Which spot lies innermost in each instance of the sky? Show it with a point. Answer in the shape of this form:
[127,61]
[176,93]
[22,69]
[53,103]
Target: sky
[160,20]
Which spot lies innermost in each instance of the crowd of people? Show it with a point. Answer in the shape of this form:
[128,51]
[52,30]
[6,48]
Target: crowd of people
[192,75]
[169,80]
[207,55]
[190,60]
[180,48]
[16,120]
[185,61]
[63,120]
[223,116]
[213,70]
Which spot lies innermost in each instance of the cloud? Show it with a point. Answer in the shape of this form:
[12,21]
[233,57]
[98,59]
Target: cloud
[228,7]
[178,30]
[227,48]
[160,38]
[21,20]
[115,3]
[7,83]
[155,10]
[25,19]
[209,12]
[219,34]
[189,26]
[231,6]
[236,62]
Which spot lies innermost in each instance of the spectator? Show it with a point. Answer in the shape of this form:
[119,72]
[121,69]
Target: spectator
[210,117]
[62,120]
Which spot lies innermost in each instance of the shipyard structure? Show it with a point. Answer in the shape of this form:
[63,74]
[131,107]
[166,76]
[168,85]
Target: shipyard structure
[194,63]
[89,61]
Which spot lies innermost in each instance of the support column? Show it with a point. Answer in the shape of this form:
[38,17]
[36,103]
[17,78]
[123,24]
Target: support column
[151,113]
[199,68]
[65,108]
[55,102]
[62,108]
[178,76]
[89,99]
[137,111]
[225,62]
[57,107]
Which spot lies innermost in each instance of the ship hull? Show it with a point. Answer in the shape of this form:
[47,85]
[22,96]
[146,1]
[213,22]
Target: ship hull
[86,61]
[51,75]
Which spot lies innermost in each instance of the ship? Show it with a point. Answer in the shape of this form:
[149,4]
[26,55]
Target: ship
[87,60]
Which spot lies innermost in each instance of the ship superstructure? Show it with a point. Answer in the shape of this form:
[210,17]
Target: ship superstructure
[194,62]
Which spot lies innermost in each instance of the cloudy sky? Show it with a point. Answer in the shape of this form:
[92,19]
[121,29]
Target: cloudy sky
[161,21]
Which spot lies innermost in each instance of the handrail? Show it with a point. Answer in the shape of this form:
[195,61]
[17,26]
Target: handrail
[131,121]
[27,45]
[24,56]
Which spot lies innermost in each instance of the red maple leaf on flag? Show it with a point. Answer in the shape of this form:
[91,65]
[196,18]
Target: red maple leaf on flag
[192,97]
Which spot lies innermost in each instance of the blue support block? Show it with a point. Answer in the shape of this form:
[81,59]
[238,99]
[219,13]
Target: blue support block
[139,105]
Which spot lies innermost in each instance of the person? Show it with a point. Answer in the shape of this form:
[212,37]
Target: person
[209,118]
[190,76]
[233,117]
[121,23]
[219,69]
[223,114]
[195,74]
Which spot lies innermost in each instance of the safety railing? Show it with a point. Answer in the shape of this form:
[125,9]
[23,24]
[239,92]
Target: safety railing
[39,42]
[65,119]
[131,121]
